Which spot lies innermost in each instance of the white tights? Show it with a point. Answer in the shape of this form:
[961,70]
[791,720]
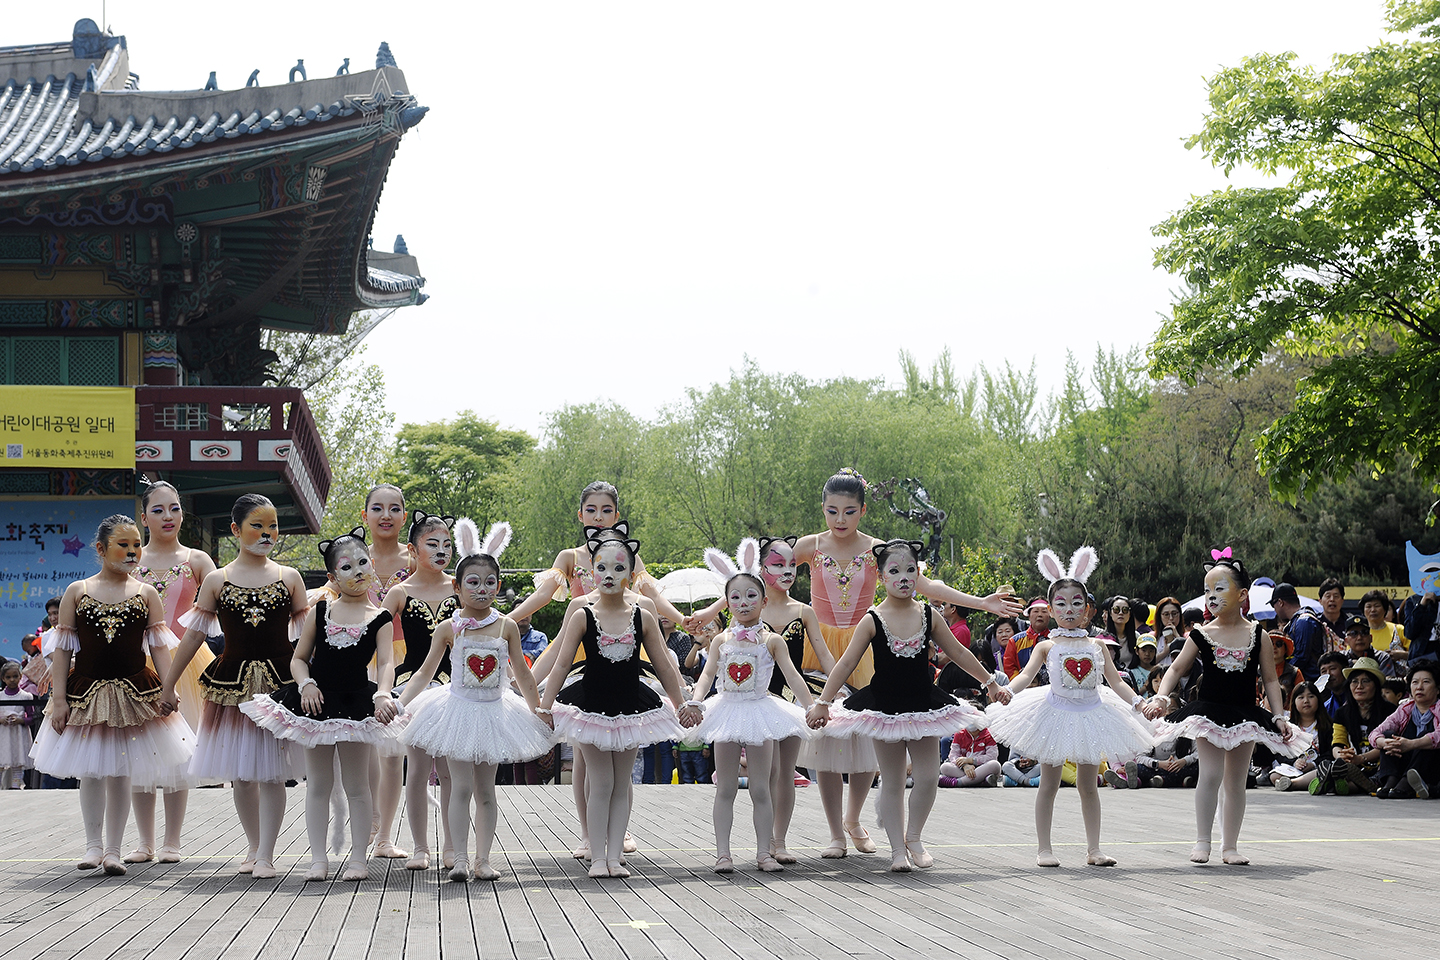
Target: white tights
[1227,768]
[727,785]
[261,808]
[782,787]
[417,798]
[925,771]
[1085,785]
[104,805]
[143,802]
[472,780]
[320,776]
[833,794]
[607,799]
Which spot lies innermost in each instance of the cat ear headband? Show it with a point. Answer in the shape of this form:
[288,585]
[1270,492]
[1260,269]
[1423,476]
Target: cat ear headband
[747,560]
[467,538]
[765,543]
[593,544]
[619,530]
[914,546]
[1227,558]
[1082,563]
[324,545]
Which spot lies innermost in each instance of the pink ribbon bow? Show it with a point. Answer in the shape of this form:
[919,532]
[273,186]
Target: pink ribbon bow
[606,640]
[908,647]
[468,623]
[1237,655]
[334,629]
[1221,554]
[747,633]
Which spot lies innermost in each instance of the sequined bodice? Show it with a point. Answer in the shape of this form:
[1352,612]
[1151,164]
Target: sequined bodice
[479,666]
[112,637]
[177,587]
[745,669]
[1076,666]
[841,595]
[255,621]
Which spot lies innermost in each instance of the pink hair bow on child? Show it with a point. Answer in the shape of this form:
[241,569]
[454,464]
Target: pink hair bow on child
[1225,554]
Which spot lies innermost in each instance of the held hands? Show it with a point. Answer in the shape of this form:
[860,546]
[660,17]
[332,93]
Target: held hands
[168,703]
[689,715]
[1286,731]
[997,693]
[1155,707]
[545,715]
[818,715]
[385,708]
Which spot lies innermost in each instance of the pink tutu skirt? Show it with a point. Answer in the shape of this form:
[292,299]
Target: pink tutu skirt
[309,732]
[897,727]
[154,755]
[627,731]
[231,747]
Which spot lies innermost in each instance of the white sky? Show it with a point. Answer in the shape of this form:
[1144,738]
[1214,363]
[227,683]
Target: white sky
[619,200]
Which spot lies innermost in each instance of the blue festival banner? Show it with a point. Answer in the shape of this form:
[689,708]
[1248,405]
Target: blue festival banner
[44,545]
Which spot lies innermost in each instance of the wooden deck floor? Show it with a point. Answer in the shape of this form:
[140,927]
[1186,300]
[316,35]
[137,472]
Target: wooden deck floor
[1336,874]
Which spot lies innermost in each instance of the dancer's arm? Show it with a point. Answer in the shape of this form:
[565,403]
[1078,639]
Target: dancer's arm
[965,660]
[816,639]
[712,669]
[312,701]
[819,712]
[207,598]
[1273,696]
[665,668]
[524,679]
[544,593]
[1179,667]
[385,709]
[1117,680]
[649,587]
[420,679]
[781,654]
[569,640]
[1025,677]
[200,564]
[60,659]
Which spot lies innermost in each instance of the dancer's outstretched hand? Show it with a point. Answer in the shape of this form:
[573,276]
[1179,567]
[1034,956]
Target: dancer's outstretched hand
[689,715]
[1003,604]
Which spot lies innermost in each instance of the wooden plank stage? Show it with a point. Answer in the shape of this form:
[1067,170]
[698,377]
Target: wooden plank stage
[1332,877]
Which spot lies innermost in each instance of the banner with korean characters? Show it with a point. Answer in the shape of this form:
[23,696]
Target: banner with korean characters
[60,427]
[44,545]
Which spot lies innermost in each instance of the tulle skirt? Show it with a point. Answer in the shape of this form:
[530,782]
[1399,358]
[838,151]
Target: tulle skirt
[752,720]
[826,752]
[154,755]
[895,727]
[231,747]
[1052,730]
[15,744]
[273,716]
[626,731]
[476,731]
[1228,726]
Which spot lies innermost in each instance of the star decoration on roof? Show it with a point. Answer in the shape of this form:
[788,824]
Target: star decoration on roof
[381,107]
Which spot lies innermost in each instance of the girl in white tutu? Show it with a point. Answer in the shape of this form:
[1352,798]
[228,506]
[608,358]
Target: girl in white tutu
[902,710]
[420,605]
[1224,720]
[608,713]
[476,723]
[16,709]
[106,726]
[1075,718]
[331,707]
[175,571]
[258,605]
[744,713]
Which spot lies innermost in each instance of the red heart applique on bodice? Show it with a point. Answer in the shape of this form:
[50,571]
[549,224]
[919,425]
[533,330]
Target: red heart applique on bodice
[482,667]
[1079,667]
[740,672]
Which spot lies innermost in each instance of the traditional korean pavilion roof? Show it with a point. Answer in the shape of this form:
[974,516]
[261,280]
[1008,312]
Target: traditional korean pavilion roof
[255,203]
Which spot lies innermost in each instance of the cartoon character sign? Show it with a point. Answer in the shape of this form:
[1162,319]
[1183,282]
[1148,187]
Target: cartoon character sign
[1424,570]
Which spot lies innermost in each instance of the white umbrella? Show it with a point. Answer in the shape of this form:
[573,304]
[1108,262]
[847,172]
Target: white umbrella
[691,585]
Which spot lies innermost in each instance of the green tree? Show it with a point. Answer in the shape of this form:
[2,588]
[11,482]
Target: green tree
[1335,264]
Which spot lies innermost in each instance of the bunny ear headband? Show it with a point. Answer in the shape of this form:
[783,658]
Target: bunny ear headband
[747,560]
[467,539]
[1082,563]
[324,546]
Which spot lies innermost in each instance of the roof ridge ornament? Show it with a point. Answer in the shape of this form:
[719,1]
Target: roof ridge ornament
[300,69]
[384,58]
[344,70]
[211,84]
[254,80]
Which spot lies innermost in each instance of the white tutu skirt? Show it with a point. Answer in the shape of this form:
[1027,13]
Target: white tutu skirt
[15,744]
[896,727]
[154,755]
[751,720]
[1052,730]
[231,747]
[827,752]
[309,732]
[476,731]
[1200,727]
[613,734]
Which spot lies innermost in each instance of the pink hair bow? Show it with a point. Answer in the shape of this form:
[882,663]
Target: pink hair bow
[1221,554]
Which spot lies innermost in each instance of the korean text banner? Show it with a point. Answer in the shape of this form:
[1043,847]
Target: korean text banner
[52,426]
[44,545]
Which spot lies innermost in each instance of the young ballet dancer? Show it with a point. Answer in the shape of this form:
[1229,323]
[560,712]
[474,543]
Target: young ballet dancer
[843,577]
[1224,721]
[476,722]
[394,562]
[257,604]
[608,713]
[744,714]
[16,708]
[1075,717]
[331,708]
[424,601]
[175,571]
[106,727]
[800,629]
[901,709]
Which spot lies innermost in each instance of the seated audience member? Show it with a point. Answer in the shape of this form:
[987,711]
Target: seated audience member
[1355,760]
[1169,627]
[1409,739]
[1332,684]
[958,619]
[1020,771]
[1307,713]
[1361,647]
[1285,672]
[1394,690]
[974,761]
[1377,609]
[1147,652]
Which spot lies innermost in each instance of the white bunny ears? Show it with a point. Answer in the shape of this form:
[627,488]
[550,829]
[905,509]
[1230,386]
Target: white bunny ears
[467,538]
[747,560]
[1082,564]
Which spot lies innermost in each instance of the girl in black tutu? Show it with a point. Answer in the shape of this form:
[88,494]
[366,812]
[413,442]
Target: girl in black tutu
[1225,721]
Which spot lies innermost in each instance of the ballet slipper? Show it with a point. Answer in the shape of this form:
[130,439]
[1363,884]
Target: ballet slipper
[264,870]
[1201,852]
[1233,858]
[617,869]
[460,872]
[900,864]
[169,854]
[419,860]
[143,854]
[861,838]
[598,869]
[1046,859]
[388,851]
[113,865]
[447,857]
[724,865]
[582,852]
[781,855]
[1098,859]
[922,860]
[246,865]
[356,871]
[835,851]
[319,870]
[91,860]
[483,871]
[768,864]
[629,846]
